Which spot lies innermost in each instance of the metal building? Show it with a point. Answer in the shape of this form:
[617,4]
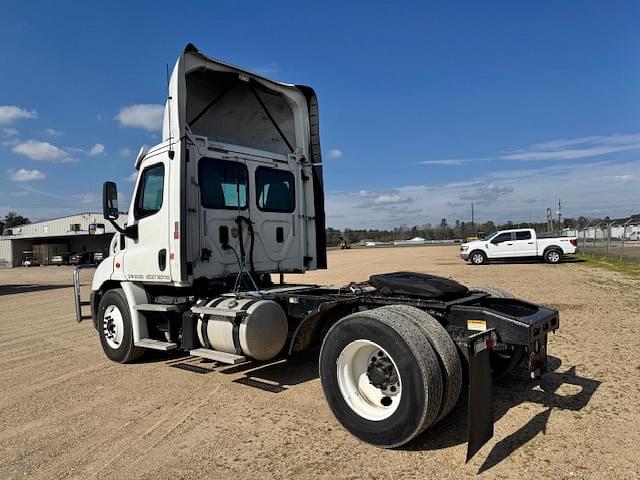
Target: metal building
[84,232]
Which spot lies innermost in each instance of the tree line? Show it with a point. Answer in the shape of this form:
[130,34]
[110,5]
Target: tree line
[446,231]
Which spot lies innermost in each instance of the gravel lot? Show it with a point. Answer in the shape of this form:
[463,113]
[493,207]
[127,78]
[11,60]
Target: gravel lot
[67,412]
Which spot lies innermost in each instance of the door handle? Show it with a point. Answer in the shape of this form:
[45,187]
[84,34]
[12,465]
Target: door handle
[509,243]
[162,259]
[529,243]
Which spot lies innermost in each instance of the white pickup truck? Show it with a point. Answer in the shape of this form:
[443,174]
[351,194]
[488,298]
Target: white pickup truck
[518,243]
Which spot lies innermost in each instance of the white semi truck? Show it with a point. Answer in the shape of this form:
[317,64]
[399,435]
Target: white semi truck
[232,196]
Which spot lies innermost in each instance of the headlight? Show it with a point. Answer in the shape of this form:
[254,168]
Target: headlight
[463,248]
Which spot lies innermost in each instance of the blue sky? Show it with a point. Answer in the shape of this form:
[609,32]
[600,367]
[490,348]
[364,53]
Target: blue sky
[425,107]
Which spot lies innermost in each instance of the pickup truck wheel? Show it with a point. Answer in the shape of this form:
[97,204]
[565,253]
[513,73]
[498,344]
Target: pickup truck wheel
[445,349]
[381,377]
[507,358]
[478,257]
[115,328]
[552,256]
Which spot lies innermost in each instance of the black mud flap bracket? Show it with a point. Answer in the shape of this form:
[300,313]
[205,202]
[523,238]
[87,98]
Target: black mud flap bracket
[476,349]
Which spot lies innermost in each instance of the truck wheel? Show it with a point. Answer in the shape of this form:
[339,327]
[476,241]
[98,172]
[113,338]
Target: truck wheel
[446,349]
[552,256]
[115,329]
[381,377]
[503,360]
[478,257]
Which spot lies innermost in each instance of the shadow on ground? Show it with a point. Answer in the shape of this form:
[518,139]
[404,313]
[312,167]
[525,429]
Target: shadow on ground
[529,260]
[511,392]
[281,374]
[12,289]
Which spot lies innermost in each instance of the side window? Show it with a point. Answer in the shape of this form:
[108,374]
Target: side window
[223,184]
[275,190]
[150,191]
[523,235]
[503,237]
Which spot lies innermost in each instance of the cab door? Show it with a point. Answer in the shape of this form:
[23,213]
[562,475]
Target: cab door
[277,222]
[501,246]
[525,245]
[146,255]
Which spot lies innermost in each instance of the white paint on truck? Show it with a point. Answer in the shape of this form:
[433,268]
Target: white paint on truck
[517,243]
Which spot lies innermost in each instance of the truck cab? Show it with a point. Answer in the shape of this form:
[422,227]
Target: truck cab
[236,182]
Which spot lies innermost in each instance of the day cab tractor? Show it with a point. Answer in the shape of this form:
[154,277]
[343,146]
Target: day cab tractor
[233,197]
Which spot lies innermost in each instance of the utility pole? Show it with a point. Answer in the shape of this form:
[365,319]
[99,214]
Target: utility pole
[473,220]
[559,217]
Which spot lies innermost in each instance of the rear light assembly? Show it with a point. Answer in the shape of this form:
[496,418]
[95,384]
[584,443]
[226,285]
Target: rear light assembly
[574,242]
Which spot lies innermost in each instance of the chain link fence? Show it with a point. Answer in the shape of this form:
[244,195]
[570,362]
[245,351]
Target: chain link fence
[615,241]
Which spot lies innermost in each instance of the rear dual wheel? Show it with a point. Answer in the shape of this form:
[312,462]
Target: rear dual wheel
[383,378]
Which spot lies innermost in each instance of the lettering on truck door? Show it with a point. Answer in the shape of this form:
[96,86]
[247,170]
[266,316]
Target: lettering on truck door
[146,257]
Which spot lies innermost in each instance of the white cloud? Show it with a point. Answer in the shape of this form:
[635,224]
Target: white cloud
[124,152]
[559,150]
[52,132]
[576,148]
[335,153]
[97,149]
[388,199]
[132,177]
[589,189]
[43,151]
[11,113]
[10,132]
[24,175]
[147,116]
[451,161]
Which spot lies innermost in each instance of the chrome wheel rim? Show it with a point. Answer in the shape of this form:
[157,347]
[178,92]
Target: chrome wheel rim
[477,258]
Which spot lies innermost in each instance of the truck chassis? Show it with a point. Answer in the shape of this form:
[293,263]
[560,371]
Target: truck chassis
[479,333]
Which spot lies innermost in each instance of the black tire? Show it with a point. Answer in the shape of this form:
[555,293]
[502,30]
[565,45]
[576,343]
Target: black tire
[503,362]
[446,349]
[126,352]
[553,256]
[477,257]
[418,369]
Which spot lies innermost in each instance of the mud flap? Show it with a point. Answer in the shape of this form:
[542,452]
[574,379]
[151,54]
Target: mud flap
[480,412]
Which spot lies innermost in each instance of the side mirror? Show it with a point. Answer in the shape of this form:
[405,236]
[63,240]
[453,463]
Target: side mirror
[110,201]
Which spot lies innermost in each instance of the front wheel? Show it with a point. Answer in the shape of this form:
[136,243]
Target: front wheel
[478,258]
[115,328]
[381,377]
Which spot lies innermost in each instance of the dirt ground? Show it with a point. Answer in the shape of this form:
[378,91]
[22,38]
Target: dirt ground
[67,412]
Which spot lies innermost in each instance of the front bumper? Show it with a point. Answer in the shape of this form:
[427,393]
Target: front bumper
[464,255]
